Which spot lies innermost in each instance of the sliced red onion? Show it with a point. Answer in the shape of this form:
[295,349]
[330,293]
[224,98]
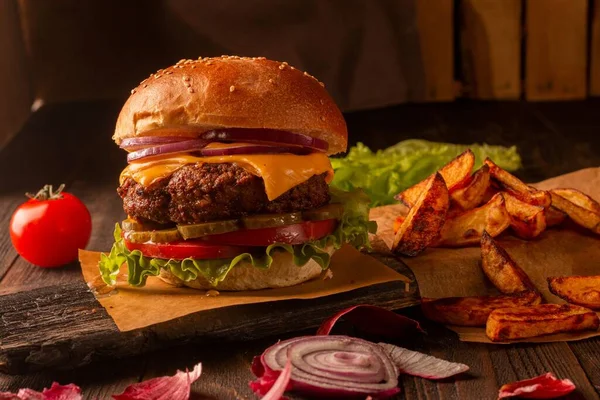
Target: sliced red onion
[375,321]
[176,387]
[145,141]
[419,364]
[545,386]
[281,383]
[335,366]
[177,147]
[251,149]
[56,392]
[267,136]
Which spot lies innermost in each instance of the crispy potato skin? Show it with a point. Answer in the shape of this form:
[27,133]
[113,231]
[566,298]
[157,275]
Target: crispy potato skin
[526,221]
[422,225]
[544,319]
[473,311]
[517,188]
[455,173]
[581,290]
[473,193]
[501,269]
[581,216]
[466,228]
[554,216]
[578,198]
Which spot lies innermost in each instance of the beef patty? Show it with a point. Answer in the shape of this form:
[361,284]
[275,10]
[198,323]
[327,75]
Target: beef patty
[212,192]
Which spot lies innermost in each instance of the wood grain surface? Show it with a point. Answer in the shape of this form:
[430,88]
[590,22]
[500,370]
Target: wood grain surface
[71,143]
[491,48]
[556,49]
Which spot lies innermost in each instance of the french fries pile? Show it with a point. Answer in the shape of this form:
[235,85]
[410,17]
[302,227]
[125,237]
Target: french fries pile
[452,208]
[519,313]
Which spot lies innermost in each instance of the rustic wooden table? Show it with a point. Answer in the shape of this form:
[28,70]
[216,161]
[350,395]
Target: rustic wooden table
[71,144]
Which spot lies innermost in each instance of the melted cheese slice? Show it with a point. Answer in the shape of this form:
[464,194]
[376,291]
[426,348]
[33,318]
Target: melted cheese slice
[280,172]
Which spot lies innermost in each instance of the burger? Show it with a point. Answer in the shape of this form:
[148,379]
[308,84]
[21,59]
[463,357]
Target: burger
[227,182]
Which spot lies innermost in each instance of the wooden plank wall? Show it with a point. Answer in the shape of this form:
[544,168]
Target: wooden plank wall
[556,49]
[595,50]
[435,24]
[507,49]
[15,89]
[491,48]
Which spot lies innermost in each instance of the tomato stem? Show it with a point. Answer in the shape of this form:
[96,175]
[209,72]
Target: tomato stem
[46,193]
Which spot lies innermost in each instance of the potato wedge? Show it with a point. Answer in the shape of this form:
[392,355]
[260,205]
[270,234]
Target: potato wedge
[422,225]
[516,187]
[473,311]
[467,227]
[526,221]
[581,216]
[579,198]
[501,269]
[398,223]
[554,216]
[544,319]
[581,290]
[472,195]
[454,173]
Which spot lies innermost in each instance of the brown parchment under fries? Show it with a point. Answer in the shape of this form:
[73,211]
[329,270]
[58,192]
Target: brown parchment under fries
[558,251]
[133,308]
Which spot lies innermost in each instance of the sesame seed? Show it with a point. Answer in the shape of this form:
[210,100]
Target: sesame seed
[181,61]
[193,66]
[322,118]
[322,84]
[186,78]
[285,63]
[187,84]
[132,91]
[190,90]
[271,81]
[282,67]
[322,102]
[232,88]
[169,72]
[306,73]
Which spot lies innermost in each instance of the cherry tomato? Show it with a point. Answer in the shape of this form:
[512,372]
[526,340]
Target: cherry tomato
[49,228]
[184,249]
[289,234]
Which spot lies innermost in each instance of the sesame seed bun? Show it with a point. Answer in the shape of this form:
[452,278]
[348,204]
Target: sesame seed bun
[282,273]
[195,96]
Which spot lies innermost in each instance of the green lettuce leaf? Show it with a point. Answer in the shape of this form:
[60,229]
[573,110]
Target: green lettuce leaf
[385,173]
[354,228]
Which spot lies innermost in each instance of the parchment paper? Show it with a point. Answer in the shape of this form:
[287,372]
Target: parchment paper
[568,250]
[133,308]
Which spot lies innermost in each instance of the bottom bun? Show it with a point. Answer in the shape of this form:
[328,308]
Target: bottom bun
[244,276]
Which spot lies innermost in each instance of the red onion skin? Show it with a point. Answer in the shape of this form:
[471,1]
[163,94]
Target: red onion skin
[374,320]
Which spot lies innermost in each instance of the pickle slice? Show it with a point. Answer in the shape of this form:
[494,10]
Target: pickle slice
[271,220]
[131,224]
[161,236]
[208,228]
[330,211]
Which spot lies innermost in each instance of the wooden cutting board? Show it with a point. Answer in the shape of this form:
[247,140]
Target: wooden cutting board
[65,326]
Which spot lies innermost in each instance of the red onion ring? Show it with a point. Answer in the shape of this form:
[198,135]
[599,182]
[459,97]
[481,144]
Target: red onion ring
[145,141]
[338,366]
[177,147]
[252,149]
[266,136]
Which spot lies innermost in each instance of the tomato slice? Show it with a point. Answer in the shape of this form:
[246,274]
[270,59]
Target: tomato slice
[188,248]
[289,234]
